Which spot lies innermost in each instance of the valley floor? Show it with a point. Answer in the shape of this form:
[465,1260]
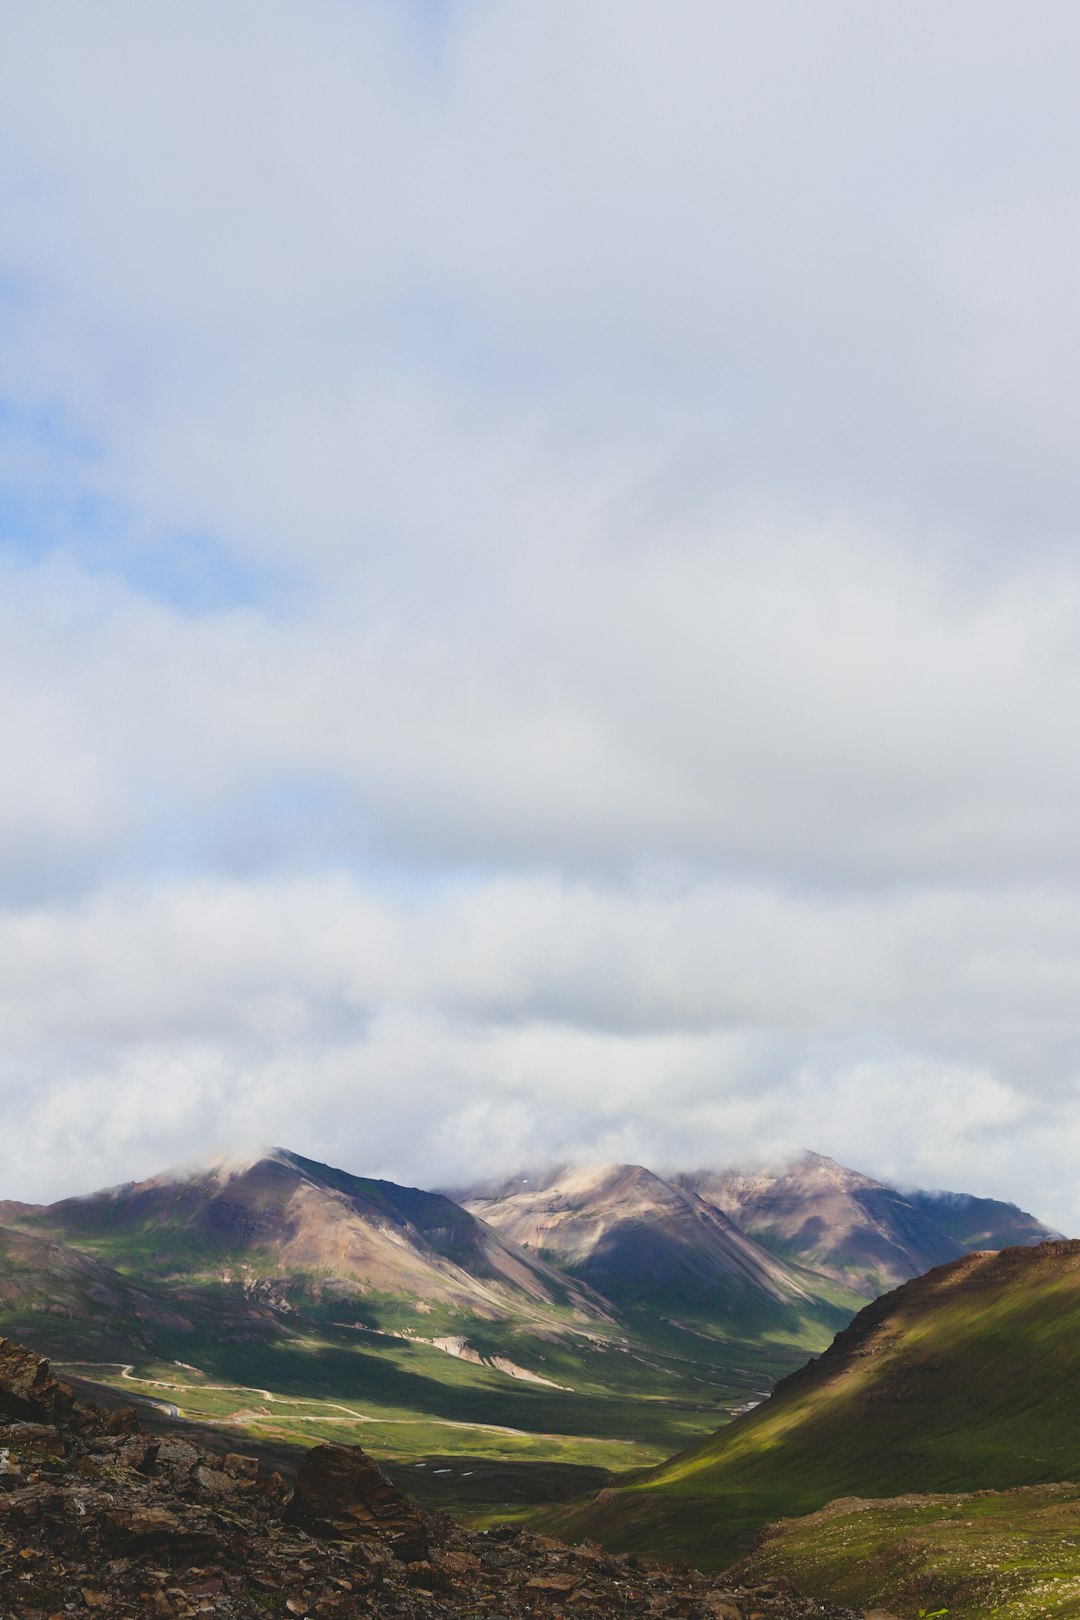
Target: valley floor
[459,1436]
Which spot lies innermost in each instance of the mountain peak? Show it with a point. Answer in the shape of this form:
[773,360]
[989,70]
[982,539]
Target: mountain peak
[626,1229]
[811,1165]
[835,1220]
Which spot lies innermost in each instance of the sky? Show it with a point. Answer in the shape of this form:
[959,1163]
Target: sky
[540,587]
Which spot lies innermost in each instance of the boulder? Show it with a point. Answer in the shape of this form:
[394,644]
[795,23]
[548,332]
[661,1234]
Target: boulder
[31,1503]
[121,1420]
[342,1492]
[28,1389]
[139,1452]
[142,1529]
[177,1455]
[215,1480]
[241,1467]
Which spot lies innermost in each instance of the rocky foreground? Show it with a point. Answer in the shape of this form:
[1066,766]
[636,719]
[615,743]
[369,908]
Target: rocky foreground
[98,1518]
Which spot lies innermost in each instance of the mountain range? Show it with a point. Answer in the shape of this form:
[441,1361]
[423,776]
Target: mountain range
[622,1223]
[550,1329]
[633,1235]
[742,1254]
[280,1215]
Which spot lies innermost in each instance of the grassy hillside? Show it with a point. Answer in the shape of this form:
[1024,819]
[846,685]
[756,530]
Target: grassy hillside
[961,1380]
[970,1557]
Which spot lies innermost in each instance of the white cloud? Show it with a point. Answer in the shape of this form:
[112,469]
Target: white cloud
[531,1020]
[627,462]
[784,706]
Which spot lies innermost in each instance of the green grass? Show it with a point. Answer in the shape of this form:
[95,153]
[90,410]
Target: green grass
[968,1556]
[410,1405]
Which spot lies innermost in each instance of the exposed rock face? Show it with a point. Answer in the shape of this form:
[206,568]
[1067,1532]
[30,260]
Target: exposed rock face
[96,1517]
[27,1388]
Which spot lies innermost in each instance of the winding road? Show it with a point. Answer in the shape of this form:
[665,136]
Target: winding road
[127,1371]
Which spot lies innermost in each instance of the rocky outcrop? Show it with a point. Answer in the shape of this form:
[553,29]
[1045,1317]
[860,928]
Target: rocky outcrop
[342,1492]
[98,1518]
[27,1388]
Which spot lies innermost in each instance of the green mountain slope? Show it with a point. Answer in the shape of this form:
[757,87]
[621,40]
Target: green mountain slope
[960,1380]
[63,1295]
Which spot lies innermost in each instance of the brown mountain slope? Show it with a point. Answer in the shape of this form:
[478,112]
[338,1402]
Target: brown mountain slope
[627,1231]
[819,1214]
[285,1214]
